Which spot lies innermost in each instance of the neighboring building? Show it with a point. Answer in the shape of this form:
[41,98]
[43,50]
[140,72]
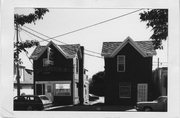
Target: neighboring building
[58,72]
[128,71]
[86,88]
[160,81]
[26,81]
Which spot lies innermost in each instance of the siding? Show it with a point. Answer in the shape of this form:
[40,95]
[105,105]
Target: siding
[137,70]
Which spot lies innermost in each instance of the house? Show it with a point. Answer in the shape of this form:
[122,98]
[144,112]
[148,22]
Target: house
[59,72]
[128,71]
[160,81]
[26,80]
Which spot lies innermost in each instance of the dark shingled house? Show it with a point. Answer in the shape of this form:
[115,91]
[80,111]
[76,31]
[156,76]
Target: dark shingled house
[128,71]
[59,72]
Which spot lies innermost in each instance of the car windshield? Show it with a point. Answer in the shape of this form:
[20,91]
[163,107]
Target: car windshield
[161,99]
[44,98]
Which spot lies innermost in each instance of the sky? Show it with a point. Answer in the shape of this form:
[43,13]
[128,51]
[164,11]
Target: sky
[59,21]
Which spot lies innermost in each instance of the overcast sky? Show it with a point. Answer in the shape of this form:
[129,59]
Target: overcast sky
[59,21]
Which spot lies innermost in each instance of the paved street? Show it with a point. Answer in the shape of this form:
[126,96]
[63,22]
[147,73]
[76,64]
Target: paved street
[97,105]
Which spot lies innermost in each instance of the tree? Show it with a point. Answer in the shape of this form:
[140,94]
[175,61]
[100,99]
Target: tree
[97,86]
[158,20]
[20,20]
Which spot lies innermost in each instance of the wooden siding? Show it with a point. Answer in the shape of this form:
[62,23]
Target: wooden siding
[137,70]
[62,70]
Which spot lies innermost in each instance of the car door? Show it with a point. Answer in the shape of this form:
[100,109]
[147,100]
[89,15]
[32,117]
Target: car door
[49,91]
[34,102]
[165,104]
[160,106]
[19,103]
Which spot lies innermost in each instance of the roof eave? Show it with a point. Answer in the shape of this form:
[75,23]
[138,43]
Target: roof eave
[125,42]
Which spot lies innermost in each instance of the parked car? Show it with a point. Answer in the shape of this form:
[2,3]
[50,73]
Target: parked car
[31,102]
[160,104]
[93,97]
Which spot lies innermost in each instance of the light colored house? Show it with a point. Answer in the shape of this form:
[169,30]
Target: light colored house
[160,81]
[26,81]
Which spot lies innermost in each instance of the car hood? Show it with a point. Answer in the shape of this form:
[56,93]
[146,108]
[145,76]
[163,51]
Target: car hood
[46,102]
[146,102]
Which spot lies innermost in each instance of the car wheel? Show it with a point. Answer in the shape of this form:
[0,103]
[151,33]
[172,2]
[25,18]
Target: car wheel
[29,108]
[147,109]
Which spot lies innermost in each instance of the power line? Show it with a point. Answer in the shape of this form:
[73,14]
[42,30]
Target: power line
[59,41]
[95,24]
[29,35]
[83,28]
[25,52]
[93,55]
[56,39]
[35,35]
[43,35]
[78,30]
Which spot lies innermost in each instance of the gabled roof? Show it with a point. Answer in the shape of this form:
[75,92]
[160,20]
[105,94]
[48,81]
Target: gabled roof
[68,51]
[145,48]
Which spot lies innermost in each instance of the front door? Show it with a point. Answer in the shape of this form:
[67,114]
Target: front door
[142,92]
[49,91]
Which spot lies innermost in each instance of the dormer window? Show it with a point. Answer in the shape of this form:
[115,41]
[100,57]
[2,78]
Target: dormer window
[121,63]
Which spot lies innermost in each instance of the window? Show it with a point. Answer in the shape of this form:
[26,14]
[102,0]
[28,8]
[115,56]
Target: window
[120,63]
[125,90]
[62,89]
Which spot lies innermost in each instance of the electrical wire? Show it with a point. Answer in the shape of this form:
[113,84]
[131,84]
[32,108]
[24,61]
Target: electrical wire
[93,55]
[57,40]
[95,24]
[29,35]
[48,38]
[25,52]
[34,35]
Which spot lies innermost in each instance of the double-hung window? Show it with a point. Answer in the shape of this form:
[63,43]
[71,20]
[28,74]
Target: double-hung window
[121,63]
[125,90]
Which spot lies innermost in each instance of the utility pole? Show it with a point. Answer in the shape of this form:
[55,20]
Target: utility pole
[17,64]
[158,63]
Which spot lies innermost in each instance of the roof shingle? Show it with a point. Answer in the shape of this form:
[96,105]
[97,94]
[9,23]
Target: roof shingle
[70,50]
[109,47]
